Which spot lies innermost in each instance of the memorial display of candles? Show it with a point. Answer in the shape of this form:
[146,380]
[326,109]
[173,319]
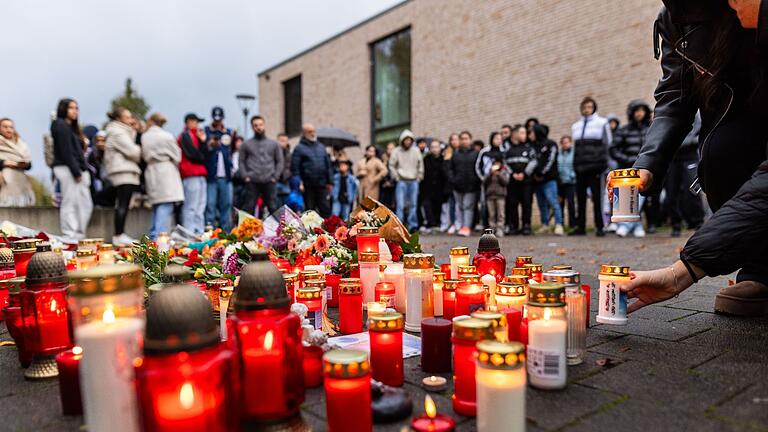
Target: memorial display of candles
[86,258]
[459,256]
[385,293]
[268,337]
[225,296]
[369,274]
[386,338]
[44,314]
[419,290]
[626,195]
[449,298]
[22,253]
[105,304]
[367,239]
[395,274]
[612,303]
[163,241]
[470,295]
[467,269]
[500,377]
[68,364]
[213,288]
[7,269]
[332,289]
[522,271]
[498,323]
[291,284]
[438,281]
[107,253]
[547,335]
[575,306]
[347,386]
[350,306]
[522,260]
[90,243]
[536,271]
[432,421]
[436,345]
[312,297]
[185,379]
[466,334]
[489,260]
[12,314]
[511,295]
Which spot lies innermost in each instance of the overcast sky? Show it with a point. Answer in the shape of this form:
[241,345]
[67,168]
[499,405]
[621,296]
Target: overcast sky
[183,55]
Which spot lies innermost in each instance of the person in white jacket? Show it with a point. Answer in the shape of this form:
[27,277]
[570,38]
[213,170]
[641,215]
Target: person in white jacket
[161,176]
[121,159]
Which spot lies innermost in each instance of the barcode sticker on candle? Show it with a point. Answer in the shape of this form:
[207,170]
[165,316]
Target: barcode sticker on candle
[316,319]
[545,364]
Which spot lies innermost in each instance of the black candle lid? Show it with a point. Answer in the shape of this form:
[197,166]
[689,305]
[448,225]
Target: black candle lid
[261,286]
[46,267]
[179,319]
[488,242]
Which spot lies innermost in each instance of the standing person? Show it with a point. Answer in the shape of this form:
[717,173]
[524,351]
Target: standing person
[387,185]
[218,164]
[530,122]
[261,165]
[283,186]
[545,178]
[521,160]
[450,208]
[485,158]
[312,164]
[344,192]
[15,189]
[466,184]
[614,122]
[406,166]
[431,188]
[682,203]
[238,187]
[506,137]
[370,171]
[566,185]
[590,160]
[71,171]
[102,191]
[121,159]
[496,180]
[163,182]
[627,142]
[193,174]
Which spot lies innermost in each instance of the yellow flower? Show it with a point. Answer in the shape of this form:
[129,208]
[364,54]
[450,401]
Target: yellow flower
[199,273]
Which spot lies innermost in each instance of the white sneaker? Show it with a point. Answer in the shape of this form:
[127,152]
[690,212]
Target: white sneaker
[122,240]
[622,230]
[424,230]
[612,227]
[452,230]
[499,233]
[559,230]
[639,232]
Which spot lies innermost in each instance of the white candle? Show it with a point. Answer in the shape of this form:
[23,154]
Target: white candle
[612,303]
[376,308]
[437,296]
[106,372]
[396,276]
[500,399]
[369,277]
[417,283]
[490,281]
[456,261]
[546,352]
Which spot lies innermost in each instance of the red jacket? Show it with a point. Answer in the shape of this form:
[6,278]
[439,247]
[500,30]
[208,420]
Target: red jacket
[192,155]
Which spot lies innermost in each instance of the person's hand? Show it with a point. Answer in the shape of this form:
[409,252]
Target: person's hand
[646,181]
[274,180]
[201,134]
[518,176]
[654,286]
[215,142]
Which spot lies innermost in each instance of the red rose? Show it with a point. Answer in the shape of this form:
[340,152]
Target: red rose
[395,250]
[193,258]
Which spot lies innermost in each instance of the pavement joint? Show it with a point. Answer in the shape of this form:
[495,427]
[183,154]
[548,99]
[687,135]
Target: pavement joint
[600,409]
[712,413]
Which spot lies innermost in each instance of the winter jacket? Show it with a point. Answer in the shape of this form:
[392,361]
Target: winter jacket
[67,148]
[689,150]
[521,158]
[370,173]
[192,155]
[591,139]
[261,159]
[434,178]
[629,139]
[122,155]
[311,162]
[565,171]
[406,164]
[461,171]
[496,184]
[485,158]
[212,153]
[352,186]
[285,177]
[546,156]
[162,156]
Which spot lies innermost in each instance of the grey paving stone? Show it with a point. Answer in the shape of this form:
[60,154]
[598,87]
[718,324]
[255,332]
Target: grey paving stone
[554,409]
[594,363]
[660,322]
[748,409]
[736,369]
[656,351]
[596,335]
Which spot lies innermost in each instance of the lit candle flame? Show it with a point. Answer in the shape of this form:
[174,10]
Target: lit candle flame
[108,316]
[77,350]
[186,396]
[429,407]
[268,340]
[53,305]
[547,313]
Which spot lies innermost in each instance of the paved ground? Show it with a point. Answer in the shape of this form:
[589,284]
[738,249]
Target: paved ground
[676,366]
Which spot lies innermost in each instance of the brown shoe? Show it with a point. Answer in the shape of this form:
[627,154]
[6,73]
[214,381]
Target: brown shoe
[746,298]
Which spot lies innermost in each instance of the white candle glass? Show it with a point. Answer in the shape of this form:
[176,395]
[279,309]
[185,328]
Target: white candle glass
[437,297]
[419,287]
[395,275]
[612,303]
[500,380]
[547,336]
[459,256]
[575,305]
[369,275]
[489,281]
[626,195]
[511,295]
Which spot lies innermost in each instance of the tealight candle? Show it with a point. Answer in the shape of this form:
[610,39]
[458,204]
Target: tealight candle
[575,304]
[350,306]
[438,281]
[434,383]
[385,293]
[470,295]
[449,298]
[369,274]
[547,336]
[612,303]
[500,377]
[376,308]
[626,195]
[436,345]
[419,290]
[386,338]
[68,363]
[395,274]
[432,421]
[459,256]
[347,391]
[466,334]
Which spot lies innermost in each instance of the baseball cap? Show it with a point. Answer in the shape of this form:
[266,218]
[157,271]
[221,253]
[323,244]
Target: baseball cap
[193,116]
[217,113]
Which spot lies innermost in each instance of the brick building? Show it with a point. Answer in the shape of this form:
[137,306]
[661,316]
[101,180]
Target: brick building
[439,66]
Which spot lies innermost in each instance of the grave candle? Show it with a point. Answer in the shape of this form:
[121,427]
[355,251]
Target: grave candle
[347,391]
[459,256]
[7,269]
[291,284]
[312,297]
[500,377]
[522,260]
[467,269]
[68,363]
[22,253]
[305,275]
[536,271]
[522,271]
[626,195]
[446,269]
[498,323]
[436,345]
[395,275]
[385,293]
[367,239]
[438,281]
[313,366]
[575,304]
[354,270]
[470,295]
[466,334]
[106,253]
[432,421]
[514,319]
[547,329]
[385,254]
[376,308]
[612,303]
[86,258]
[90,243]
[369,274]
[163,241]
[213,288]
[386,337]
[489,260]
[225,294]
[350,306]
[332,281]
[449,298]
[489,281]
[419,290]
[510,295]
[13,322]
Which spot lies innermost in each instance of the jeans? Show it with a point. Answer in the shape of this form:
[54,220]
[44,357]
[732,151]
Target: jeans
[219,203]
[162,215]
[407,197]
[341,210]
[76,203]
[447,213]
[546,196]
[193,209]
[466,202]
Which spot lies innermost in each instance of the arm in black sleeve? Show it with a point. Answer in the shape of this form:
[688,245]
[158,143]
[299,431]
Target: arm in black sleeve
[192,153]
[617,150]
[546,164]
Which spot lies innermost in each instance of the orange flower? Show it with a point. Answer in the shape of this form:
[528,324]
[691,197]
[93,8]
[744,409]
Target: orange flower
[321,244]
[341,233]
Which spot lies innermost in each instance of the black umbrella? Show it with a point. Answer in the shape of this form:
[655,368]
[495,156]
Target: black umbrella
[336,138]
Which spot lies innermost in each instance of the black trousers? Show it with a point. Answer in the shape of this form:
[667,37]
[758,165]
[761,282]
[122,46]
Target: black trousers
[254,191]
[567,195]
[432,207]
[123,195]
[592,180]
[519,193]
[316,198]
[681,202]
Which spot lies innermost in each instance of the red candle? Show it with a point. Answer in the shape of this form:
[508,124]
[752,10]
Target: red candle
[283,265]
[432,421]
[68,363]
[350,306]
[586,289]
[467,269]
[386,335]
[385,293]
[367,239]
[524,331]
[522,260]
[449,298]
[436,345]
[13,321]
[22,253]
[311,295]
[291,283]
[446,268]
[354,270]
[514,318]
[466,334]
[347,391]
[332,282]
[313,366]
[536,271]
[470,295]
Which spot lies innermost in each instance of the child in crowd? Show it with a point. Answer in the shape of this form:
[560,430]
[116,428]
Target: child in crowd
[295,200]
[496,180]
[566,185]
[344,190]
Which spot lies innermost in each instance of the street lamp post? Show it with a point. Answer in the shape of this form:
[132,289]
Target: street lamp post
[246,102]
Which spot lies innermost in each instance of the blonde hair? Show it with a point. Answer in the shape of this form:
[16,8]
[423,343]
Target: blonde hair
[158,119]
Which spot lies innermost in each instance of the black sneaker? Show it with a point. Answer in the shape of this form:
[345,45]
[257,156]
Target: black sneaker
[676,231]
[600,233]
[651,229]
[527,231]
[577,232]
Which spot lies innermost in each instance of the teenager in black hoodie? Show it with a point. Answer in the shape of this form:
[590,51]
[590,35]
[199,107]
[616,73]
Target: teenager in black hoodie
[521,160]
[432,185]
[545,177]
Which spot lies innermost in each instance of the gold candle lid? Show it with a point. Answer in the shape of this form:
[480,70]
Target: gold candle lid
[546,295]
[562,267]
[304,273]
[85,252]
[438,277]
[565,277]
[368,231]
[525,259]
[105,279]
[451,284]
[510,289]
[516,279]
[308,293]
[90,241]
[386,322]
[25,245]
[419,261]
[368,257]
[218,283]
[470,278]
[632,173]
[472,329]
[341,363]
[467,269]
[496,318]
[459,250]
[522,271]
[612,270]
[535,268]
[106,247]
[290,277]
[500,355]
[315,283]
[350,286]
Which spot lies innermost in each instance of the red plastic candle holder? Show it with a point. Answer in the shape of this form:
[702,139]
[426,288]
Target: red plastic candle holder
[537,271]
[466,334]
[291,283]
[347,391]
[332,281]
[350,306]
[386,335]
[436,345]
[367,239]
[313,366]
[432,421]
[13,323]
[311,296]
[45,318]
[68,363]
[470,295]
[385,293]
[489,259]
[22,253]
[522,260]
[449,298]
[514,319]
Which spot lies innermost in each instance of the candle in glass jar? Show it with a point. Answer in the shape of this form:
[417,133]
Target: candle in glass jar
[376,308]
[489,260]
[438,281]
[291,284]
[13,321]
[213,287]
[395,274]
[459,256]
[313,366]
[536,271]
[575,304]
[449,298]
[510,295]
[522,260]
[626,195]
[470,295]
[432,421]
[500,377]
[350,306]
[367,239]
[385,293]
[311,297]
[305,275]
[225,294]
[498,323]
[436,345]
[85,258]
[68,363]
[419,290]
[489,281]
[523,271]
[547,336]
[347,391]
[369,274]
[612,303]
[332,281]
[90,243]
[22,253]
[466,334]
[106,253]
[514,319]
[386,338]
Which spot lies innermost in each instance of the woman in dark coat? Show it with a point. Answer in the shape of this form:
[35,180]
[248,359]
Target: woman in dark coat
[713,59]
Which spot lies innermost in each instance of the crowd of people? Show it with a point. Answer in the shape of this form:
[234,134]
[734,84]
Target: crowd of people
[199,177]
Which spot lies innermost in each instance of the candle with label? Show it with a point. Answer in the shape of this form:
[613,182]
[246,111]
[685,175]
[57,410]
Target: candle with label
[419,290]
[466,334]
[575,305]
[500,377]
[438,281]
[470,295]
[612,303]
[350,306]
[547,336]
[385,293]
[312,297]
[449,298]
[436,345]
[369,274]
[395,274]
[386,338]
[626,195]
[347,391]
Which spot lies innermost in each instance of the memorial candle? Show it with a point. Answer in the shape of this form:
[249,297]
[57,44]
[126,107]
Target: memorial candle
[489,260]
[523,271]
[376,308]
[386,338]
[459,256]
[385,293]
[7,269]
[90,243]
[575,305]
[626,195]
[489,281]
[313,366]
[612,303]
[369,274]
[419,290]
[213,288]
[305,275]
[470,295]
[498,322]
[86,258]
[106,253]
[22,253]
[536,271]
[500,377]
[522,260]
[514,319]
[13,322]
[547,336]
[312,297]
[68,363]
[466,334]
[436,345]
[350,306]
[395,274]
[332,286]
[467,269]
[225,295]
[449,298]
[347,391]
[438,281]
[367,239]
[291,284]
[163,241]
[511,295]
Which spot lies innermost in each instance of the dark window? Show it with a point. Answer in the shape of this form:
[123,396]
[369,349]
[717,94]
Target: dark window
[292,101]
[391,86]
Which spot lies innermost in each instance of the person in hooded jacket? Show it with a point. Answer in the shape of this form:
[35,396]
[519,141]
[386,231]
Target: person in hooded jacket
[627,142]
[521,160]
[485,158]
[406,166]
[431,187]
[311,162]
[545,178]
[121,159]
[713,59]
[465,182]
[163,181]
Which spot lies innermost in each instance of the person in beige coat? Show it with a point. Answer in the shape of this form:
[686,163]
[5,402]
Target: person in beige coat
[121,159]
[161,176]
[370,170]
[15,189]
